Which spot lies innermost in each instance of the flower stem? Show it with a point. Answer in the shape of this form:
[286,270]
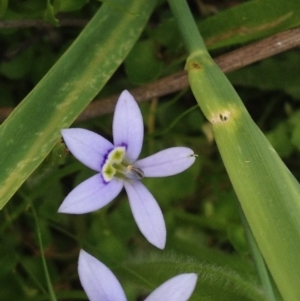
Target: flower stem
[48,280]
[189,31]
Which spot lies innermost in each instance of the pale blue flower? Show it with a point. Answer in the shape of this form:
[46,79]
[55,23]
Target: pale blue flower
[100,284]
[118,167]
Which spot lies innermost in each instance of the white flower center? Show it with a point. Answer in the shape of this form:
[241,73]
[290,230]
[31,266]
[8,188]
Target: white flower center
[116,166]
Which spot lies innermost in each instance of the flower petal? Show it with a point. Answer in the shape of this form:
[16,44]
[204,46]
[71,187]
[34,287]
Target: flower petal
[90,195]
[167,162]
[86,146]
[128,127]
[146,213]
[99,283]
[178,288]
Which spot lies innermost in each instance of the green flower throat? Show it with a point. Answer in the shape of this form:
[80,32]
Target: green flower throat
[116,166]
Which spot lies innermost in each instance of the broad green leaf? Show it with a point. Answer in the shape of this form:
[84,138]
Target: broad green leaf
[29,6]
[215,283]
[296,133]
[13,288]
[3,7]
[250,21]
[49,14]
[142,65]
[170,189]
[268,192]
[71,5]
[236,235]
[265,75]
[32,130]
[6,95]
[56,6]
[19,66]
[186,246]
[167,35]
[280,139]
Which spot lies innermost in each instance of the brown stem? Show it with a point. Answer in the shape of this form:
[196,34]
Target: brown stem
[42,24]
[228,62]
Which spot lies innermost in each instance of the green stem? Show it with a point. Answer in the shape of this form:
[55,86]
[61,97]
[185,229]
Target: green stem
[48,280]
[232,128]
[189,30]
[261,269]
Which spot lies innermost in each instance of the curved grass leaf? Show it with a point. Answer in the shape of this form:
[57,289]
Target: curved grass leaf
[269,194]
[32,130]
[249,21]
[267,191]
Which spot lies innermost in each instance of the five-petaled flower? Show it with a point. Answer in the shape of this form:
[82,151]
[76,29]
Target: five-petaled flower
[101,284]
[117,166]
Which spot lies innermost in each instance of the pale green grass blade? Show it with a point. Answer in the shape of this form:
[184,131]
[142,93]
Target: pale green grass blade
[31,131]
[267,191]
[269,194]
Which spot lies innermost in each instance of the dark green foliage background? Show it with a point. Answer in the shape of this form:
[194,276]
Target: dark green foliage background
[204,230]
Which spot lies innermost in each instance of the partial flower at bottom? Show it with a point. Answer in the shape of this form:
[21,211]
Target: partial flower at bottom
[118,167]
[100,284]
